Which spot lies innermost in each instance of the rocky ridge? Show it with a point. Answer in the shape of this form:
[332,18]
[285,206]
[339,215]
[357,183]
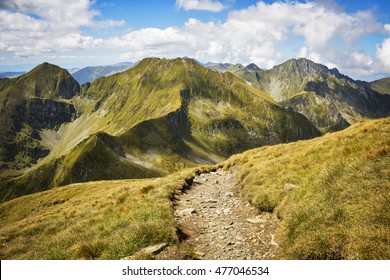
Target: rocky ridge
[164,114]
[329,99]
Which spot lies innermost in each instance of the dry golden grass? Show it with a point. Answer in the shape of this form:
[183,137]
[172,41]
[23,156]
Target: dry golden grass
[340,207]
[96,220]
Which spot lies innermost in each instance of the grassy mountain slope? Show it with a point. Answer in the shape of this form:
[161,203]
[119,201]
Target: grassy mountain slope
[109,105]
[164,115]
[95,220]
[381,86]
[34,101]
[322,112]
[96,158]
[337,208]
[329,99]
[219,116]
[191,114]
[103,155]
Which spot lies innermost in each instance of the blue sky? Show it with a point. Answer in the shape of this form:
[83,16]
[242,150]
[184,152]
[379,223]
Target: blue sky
[353,36]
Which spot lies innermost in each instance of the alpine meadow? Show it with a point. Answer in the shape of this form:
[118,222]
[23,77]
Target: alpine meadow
[263,155]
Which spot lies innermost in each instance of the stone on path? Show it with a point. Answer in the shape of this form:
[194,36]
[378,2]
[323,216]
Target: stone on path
[200,254]
[155,249]
[185,212]
[229,194]
[273,242]
[210,201]
[255,221]
[239,237]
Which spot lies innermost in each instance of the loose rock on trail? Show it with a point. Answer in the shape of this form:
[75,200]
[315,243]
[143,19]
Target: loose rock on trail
[218,224]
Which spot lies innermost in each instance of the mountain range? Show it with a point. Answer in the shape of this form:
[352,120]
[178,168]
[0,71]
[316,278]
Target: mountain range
[329,99]
[100,170]
[90,73]
[163,115]
[323,198]
[11,74]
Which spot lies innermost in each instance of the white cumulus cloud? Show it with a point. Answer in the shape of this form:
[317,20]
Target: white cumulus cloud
[29,28]
[387,28]
[265,34]
[383,54]
[258,33]
[205,5]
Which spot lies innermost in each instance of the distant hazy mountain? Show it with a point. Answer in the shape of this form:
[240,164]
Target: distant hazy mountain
[72,70]
[328,98]
[219,67]
[88,74]
[11,74]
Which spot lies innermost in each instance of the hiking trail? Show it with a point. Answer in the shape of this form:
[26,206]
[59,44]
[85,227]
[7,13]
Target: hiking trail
[218,224]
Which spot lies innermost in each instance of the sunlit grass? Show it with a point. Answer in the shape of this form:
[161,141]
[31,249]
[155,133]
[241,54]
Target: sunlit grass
[96,220]
[337,208]
[340,206]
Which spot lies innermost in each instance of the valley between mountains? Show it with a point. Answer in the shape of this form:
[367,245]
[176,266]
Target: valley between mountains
[171,159]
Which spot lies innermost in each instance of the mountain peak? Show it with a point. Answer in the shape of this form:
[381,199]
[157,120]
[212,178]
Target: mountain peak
[218,67]
[253,67]
[50,81]
[47,66]
[306,67]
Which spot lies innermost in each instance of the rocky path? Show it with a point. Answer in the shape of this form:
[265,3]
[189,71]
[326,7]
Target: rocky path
[219,225]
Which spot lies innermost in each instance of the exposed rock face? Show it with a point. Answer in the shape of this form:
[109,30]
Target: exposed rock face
[29,103]
[329,99]
[67,88]
[305,68]
[164,115]
[46,113]
[46,81]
